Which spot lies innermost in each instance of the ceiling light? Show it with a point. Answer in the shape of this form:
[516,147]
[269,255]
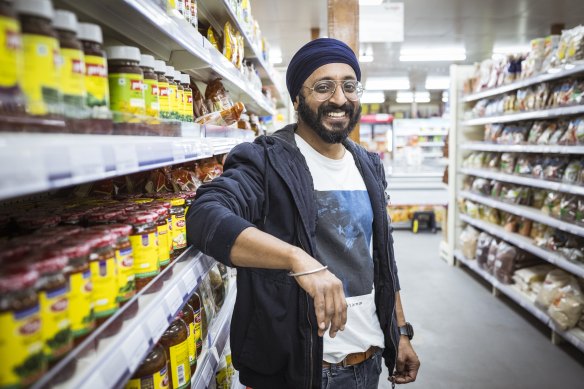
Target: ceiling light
[370,2]
[387,83]
[437,83]
[431,55]
[366,58]
[409,97]
[372,97]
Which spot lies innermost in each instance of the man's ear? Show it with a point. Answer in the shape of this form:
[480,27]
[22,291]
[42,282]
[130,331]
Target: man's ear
[296,102]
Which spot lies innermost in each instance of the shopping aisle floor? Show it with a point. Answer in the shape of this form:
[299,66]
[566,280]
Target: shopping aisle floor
[466,338]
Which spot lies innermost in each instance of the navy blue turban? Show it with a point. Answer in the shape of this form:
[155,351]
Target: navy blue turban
[315,54]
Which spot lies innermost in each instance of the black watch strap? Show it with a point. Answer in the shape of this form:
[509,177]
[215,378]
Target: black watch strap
[407,330]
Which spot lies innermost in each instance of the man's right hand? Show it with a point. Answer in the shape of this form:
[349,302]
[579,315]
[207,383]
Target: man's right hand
[327,292]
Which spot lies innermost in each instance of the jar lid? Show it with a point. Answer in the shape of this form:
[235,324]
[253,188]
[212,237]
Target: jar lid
[90,32]
[42,8]
[125,206]
[12,252]
[72,248]
[123,52]
[177,202]
[159,209]
[147,61]
[16,277]
[65,20]
[35,221]
[96,238]
[142,200]
[104,216]
[189,194]
[49,261]
[140,217]
[177,76]
[37,241]
[170,72]
[60,231]
[160,66]
[185,79]
[118,230]
[164,203]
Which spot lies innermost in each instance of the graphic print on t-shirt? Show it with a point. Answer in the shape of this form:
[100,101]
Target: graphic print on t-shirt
[344,224]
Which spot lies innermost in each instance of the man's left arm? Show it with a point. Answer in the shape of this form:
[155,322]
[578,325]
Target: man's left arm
[408,364]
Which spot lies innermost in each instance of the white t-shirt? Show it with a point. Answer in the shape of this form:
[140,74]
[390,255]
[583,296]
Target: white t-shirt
[343,243]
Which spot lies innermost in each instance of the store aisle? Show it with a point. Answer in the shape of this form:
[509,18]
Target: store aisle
[466,338]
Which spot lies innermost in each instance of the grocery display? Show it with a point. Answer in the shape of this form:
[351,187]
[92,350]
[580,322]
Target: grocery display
[518,184]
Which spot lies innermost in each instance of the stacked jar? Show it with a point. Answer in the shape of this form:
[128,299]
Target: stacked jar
[188,98]
[151,98]
[144,241]
[172,93]
[162,210]
[125,84]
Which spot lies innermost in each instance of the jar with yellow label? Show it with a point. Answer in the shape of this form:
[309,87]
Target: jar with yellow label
[162,232]
[189,199]
[150,86]
[103,272]
[195,303]
[188,315]
[52,287]
[153,372]
[144,241]
[175,343]
[126,81]
[166,204]
[179,231]
[71,65]
[188,100]
[96,81]
[21,342]
[180,96]
[40,81]
[172,93]
[163,97]
[80,287]
[11,97]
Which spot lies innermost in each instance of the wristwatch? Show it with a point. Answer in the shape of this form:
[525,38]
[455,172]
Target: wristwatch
[407,330]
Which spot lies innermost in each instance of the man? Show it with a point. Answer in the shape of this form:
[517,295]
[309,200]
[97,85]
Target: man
[302,215]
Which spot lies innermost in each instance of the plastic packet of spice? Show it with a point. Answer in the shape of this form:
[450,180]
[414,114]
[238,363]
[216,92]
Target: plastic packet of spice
[158,182]
[184,180]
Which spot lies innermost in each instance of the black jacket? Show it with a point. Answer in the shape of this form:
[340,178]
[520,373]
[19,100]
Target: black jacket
[267,184]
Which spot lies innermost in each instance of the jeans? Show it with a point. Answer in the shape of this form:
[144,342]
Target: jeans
[362,376]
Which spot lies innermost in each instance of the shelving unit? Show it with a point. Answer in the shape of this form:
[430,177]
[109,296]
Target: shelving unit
[110,354]
[575,336]
[516,117]
[543,149]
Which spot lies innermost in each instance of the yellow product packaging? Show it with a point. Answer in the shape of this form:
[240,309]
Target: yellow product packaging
[229,43]
[212,39]
[105,283]
[10,52]
[80,301]
[126,83]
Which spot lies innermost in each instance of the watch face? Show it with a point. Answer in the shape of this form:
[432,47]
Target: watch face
[407,330]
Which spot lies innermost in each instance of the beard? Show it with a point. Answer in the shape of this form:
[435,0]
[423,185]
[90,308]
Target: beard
[339,132]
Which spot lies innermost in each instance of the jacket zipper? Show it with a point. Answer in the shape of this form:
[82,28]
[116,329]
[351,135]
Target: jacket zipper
[393,280]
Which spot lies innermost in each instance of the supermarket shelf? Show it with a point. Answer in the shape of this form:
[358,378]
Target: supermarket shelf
[525,244]
[574,336]
[436,154]
[420,133]
[553,149]
[217,12]
[534,182]
[31,163]
[528,212]
[216,341]
[113,352]
[515,117]
[431,144]
[550,76]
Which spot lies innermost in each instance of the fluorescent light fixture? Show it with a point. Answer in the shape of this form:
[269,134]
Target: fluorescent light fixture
[410,97]
[387,83]
[370,97]
[432,55]
[366,58]
[370,2]
[440,83]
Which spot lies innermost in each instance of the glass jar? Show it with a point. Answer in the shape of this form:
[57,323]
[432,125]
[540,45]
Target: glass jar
[21,342]
[188,315]
[162,232]
[180,95]
[175,343]
[195,303]
[52,287]
[166,204]
[102,264]
[125,83]
[172,93]
[179,231]
[124,260]
[150,86]
[96,82]
[144,246]
[188,98]
[40,81]
[163,97]
[34,221]
[80,287]
[11,97]
[153,372]
[189,200]
[103,216]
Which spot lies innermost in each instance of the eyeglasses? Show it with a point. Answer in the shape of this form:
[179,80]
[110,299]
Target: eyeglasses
[325,89]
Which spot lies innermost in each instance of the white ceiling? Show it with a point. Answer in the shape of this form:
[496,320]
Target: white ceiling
[477,25]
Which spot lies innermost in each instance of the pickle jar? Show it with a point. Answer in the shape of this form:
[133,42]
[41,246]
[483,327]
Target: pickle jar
[163,98]
[166,204]
[162,232]
[175,343]
[80,287]
[188,315]
[179,231]
[150,86]
[153,372]
[188,99]
[21,342]
[180,95]
[124,260]
[143,239]
[195,303]
[125,83]
[52,287]
[172,93]
[11,98]
[96,81]
[102,264]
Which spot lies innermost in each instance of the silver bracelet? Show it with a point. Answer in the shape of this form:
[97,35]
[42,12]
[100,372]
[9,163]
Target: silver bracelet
[304,273]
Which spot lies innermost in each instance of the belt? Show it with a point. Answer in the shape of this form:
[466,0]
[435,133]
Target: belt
[353,359]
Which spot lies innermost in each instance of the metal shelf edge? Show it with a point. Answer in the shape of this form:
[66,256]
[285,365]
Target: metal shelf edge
[515,117]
